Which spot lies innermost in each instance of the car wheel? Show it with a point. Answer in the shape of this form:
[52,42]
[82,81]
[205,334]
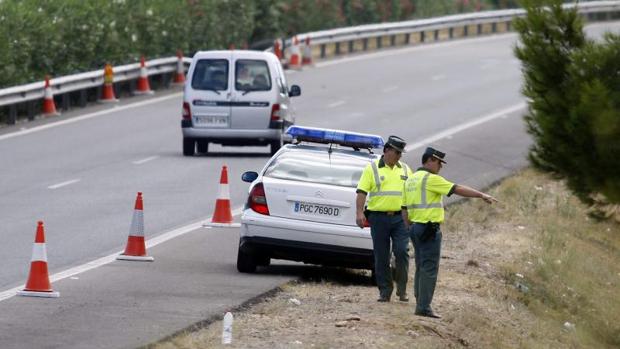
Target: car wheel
[189,146]
[275,146]
[203,146]
[245,262]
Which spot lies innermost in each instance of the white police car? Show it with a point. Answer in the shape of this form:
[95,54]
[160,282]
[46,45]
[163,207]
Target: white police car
[301,207]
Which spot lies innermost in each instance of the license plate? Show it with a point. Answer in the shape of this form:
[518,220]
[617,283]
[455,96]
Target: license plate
[305,208]
[212,120]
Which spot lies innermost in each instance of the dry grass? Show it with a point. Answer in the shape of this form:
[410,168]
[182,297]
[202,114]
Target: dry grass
[566,267]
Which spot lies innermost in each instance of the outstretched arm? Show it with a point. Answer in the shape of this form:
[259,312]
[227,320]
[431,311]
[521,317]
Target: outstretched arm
[466,191]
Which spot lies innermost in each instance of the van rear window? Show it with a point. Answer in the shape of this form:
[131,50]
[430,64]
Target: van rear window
[211,74]
[252,75]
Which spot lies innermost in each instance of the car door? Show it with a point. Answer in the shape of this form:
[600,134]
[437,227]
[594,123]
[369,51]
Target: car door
[211,87]
[253,93]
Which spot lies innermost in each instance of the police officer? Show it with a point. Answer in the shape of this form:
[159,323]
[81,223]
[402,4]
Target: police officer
[383,181]
[423,198]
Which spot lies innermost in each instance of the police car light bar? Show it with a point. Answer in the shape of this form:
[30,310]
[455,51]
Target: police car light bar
[345,138]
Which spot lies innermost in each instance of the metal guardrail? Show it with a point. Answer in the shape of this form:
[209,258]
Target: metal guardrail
[324,44]
[329,43]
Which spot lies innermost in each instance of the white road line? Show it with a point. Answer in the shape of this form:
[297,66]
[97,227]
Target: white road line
[465,126]
[438,77]
[390,89]
[140,162]
[4,295]
[63,184]
[336,104]
[88,116]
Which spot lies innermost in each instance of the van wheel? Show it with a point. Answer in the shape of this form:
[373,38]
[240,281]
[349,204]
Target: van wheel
[245,262]
[203,146]
[189,146]
[275,146]
[263,261]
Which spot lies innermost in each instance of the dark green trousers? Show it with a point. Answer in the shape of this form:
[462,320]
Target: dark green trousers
[427,255]
[385,231]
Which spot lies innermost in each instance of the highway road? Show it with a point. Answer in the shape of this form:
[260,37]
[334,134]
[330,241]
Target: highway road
[80,174]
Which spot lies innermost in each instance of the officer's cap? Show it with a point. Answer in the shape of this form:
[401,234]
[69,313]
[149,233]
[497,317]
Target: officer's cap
[436,154]
[396,143]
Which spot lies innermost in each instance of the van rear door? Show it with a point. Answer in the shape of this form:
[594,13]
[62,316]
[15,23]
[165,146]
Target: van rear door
[211,91]
[253,94]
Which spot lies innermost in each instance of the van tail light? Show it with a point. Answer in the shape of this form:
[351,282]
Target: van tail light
[275,112]
[187,114]
[257,200]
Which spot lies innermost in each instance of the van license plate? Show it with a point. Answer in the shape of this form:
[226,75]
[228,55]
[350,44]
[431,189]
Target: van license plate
[211,120]
[305,208]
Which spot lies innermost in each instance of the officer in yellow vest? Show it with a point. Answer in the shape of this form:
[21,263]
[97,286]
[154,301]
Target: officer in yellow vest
[383,181]
[423,198]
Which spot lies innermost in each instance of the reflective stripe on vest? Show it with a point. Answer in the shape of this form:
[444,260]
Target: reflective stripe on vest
[423,203]
[375,171]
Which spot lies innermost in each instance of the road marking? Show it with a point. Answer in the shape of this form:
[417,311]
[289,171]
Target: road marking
[462,127]
[63,184]
[390,89]
[438,77]
[88,116]
[72,272]
[140,162]
[336,104]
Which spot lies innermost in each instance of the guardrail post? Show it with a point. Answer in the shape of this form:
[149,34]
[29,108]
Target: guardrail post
[407,38]
[365,44]
[494,27]
[451,33]
[465,30]
[479,29]
[65,101]
[83,97]
[422,36]
[30,110]
[436,35]
[12,114]
[322,50]
[392,40]
[337,48]
[379,42]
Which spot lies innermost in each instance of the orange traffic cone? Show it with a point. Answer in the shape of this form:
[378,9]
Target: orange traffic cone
[38,284]
[307,56]
[49,108]
[222,215]
[179,77]
[143,87]
[136,248]
[277,49]
[294,61]
[107,95]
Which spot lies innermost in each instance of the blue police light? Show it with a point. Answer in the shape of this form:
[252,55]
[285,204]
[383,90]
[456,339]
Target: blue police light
[345,138]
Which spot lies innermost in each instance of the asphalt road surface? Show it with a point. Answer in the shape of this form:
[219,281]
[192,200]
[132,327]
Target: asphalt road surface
[80,173]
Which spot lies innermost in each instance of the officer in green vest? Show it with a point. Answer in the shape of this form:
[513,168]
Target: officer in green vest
[383,181]
[424,191]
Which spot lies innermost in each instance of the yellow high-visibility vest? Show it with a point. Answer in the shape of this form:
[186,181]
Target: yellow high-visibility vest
[423,196]
[384,185]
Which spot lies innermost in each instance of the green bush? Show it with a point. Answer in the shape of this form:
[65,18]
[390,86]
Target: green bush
[572,85]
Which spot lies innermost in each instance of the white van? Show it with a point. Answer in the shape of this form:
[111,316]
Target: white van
[235,98]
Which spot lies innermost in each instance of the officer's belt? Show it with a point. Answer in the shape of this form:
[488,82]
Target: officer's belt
[387,213]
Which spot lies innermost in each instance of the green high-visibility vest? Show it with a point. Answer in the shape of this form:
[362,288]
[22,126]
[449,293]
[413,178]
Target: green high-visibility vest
[423,196]
[384,185]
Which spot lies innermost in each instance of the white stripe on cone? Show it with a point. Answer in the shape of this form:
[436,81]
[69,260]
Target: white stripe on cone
[39,253]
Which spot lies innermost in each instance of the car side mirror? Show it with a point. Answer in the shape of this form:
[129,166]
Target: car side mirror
[249,176]
[294,91]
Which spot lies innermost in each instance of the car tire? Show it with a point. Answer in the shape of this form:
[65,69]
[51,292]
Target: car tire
[189,146]
[245,262]
[203,146]
[275,146]
[263,261]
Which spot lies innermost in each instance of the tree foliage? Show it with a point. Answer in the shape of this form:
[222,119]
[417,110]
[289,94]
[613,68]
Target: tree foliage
[573,89]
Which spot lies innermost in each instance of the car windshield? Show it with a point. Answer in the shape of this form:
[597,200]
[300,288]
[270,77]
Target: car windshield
[339,169]
[211,74]
[252,75]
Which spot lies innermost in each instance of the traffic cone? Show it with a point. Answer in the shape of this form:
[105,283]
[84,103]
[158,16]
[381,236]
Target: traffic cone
[38,284]
[49,108]
[222,215]
[136,248]
[294,61]
[107,95]
[143,87]
[179,77]
[307,56]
